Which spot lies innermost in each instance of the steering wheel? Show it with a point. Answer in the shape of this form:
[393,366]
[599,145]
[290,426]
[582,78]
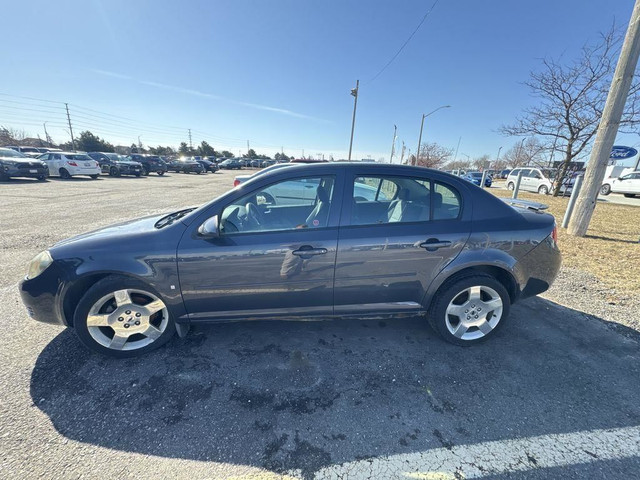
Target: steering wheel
[254,215]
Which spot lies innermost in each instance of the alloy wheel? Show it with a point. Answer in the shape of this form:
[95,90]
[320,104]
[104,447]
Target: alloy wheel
[127,319]
[474,312]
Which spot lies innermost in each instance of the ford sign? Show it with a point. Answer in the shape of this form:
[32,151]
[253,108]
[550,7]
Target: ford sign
[619,152]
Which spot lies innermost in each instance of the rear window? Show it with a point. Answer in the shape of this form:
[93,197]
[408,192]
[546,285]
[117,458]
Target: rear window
[77,156]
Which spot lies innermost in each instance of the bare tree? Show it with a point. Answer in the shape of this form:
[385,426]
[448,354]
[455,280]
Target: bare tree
[572,97]
[529,151]
[433,155]
[482,162]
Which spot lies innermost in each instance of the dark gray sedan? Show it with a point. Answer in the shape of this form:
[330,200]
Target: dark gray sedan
[331,240]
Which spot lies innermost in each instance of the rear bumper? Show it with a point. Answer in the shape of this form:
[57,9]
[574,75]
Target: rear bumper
[83,171]
[41,296]
[539,268]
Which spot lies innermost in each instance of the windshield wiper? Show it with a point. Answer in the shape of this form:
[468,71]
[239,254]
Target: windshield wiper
[172,217]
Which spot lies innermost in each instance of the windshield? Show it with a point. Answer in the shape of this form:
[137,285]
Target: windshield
[113,156]
[476,174]
[7,152]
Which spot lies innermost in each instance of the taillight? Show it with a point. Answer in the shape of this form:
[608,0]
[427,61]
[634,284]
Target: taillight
[73,164]
[236,182]
[554,234]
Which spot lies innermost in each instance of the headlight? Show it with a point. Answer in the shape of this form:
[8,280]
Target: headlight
[39,264]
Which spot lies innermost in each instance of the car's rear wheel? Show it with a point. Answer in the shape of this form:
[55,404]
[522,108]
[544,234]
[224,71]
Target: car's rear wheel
[630,195]
[42,178]
[94,177]
[122,317]
[160,172]
[543,190]
[114,172]
[470,309]
[64,173]
[510,186]
[605,189]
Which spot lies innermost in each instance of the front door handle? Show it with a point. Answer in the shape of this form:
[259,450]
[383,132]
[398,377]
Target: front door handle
[307,251]
[434,244]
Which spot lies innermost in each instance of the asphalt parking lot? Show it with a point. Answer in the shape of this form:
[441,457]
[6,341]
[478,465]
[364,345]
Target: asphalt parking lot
[553,395]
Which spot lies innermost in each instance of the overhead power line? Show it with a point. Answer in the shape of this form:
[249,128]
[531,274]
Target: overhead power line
[405,43]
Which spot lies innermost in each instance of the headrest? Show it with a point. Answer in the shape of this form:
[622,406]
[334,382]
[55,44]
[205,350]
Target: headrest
[323,196]
[404,194]
[437,199]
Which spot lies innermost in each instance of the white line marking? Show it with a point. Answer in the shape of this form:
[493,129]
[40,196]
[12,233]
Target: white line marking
[479,460]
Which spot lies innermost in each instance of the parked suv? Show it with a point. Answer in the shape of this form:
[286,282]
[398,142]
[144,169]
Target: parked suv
[150,163]
[538,180]
[231,164]
[116,165]
[185,165]
[15,164]
[628,184]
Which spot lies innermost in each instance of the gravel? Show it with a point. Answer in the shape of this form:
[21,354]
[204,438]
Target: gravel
[584,292]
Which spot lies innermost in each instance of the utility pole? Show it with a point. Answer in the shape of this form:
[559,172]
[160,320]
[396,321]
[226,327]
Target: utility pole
[73,142]
[498,156]
[402,154]
[248,148]
[455,157]
[608,127]
[393,144]
[354,92]
[190,143]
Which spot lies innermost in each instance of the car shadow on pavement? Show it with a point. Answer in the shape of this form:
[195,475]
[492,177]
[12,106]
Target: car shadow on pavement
[303,396]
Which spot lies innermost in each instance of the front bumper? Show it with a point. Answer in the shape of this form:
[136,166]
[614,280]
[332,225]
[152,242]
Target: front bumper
[30,171]
[129,169]
[41,296]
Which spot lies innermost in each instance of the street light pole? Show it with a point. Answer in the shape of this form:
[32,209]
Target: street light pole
[422,126]
[354,92]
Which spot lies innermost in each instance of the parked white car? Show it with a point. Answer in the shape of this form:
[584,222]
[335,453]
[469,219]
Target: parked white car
[628,184]
[71,164]
[538,180]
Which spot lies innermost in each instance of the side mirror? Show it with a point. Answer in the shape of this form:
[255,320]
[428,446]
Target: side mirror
[620,178]
[209,229]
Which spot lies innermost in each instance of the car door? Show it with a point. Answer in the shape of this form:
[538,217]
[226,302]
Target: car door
[527,182]
[390,249]
[54,162]
[269,259]
[634,183]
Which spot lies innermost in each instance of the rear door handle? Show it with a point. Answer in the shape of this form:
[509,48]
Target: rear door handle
[433,244]
[309,251]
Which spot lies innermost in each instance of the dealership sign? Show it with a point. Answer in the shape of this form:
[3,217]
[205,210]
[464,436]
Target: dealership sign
[619,152]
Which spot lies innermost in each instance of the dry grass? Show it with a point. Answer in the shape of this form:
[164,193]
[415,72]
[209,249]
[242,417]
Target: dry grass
[610,251]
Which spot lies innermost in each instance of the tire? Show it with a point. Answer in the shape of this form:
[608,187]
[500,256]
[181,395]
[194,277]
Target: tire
[605,189]
[137,333]
[511,186]
[41,178]
[145,171]
[94,177]
[4,178]
[138,175]
[64,173]
[114,172]
[543,190]
[160,172]
[455,294]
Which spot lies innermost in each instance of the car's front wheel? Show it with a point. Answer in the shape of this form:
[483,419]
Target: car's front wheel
[160,172]
[511,186]
[122,317]
[605,189]
[470,309]
[543,190]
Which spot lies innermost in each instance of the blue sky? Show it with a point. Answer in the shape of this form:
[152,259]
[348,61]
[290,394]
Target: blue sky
[278,73]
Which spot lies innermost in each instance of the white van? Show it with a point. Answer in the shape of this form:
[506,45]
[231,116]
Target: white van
[539,180]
